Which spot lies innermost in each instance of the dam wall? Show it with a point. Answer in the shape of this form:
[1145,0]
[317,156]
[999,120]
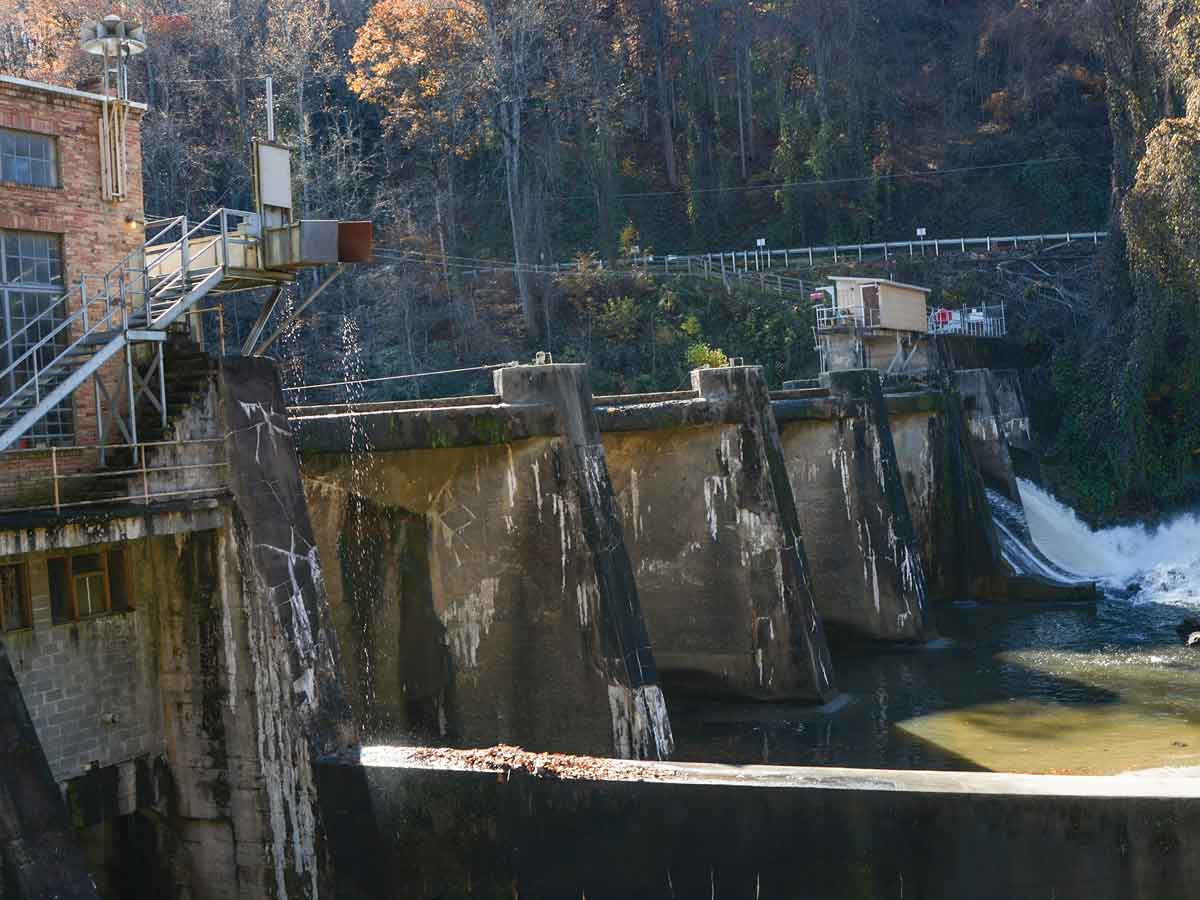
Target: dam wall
[863,550]
[715,538]
[479,579]
[704,830]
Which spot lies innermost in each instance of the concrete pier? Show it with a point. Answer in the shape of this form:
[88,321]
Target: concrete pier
[868,577]
[715,539]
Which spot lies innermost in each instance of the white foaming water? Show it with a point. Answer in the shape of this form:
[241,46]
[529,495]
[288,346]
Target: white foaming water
[1163,560]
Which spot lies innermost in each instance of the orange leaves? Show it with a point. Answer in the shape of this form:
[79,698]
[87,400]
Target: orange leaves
[420,60]
[415,37]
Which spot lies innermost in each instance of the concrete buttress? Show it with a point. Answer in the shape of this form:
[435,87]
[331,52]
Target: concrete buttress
[716,541]
[868,577]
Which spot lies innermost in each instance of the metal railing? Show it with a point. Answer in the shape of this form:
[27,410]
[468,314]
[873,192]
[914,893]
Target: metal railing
[128,295]
[762,258]
[830,317]
[973,321]
[140,482]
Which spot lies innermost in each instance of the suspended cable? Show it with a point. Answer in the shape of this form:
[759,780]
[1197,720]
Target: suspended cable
[313,387]
[826,182]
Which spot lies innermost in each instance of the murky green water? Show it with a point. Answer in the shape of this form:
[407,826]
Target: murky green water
[1086,690]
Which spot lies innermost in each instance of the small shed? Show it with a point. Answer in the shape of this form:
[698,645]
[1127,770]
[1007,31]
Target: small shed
[878,303]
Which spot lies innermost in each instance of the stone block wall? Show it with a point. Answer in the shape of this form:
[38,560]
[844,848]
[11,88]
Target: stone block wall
[90,685]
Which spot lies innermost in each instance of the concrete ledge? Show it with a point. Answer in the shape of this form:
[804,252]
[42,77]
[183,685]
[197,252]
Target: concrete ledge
[40,532]
[660,415]
[919,402]
[818,408]
[725,832]
[428,428]
[629,399]
[333,409]
[1171,784]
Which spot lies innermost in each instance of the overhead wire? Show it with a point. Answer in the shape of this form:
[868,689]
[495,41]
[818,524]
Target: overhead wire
[412,375]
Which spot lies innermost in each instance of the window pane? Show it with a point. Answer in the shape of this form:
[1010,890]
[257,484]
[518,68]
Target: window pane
[28,158]
[31,258]
[89,595]
[118,588]
[14,604]
[85,563]
[60,590]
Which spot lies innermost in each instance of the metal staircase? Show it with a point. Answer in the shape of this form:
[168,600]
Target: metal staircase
[136,302]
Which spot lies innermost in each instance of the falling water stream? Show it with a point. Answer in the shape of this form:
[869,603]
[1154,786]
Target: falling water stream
[1098,689]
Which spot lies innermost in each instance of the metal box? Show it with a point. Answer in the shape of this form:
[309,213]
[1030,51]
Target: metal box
[309,242]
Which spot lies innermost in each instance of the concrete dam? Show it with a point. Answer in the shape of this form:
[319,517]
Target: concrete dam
[533,566]
[470,636]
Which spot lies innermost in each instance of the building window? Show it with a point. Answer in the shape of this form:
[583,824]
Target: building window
[28,158]
[31,283]
[15,613]
[88,584]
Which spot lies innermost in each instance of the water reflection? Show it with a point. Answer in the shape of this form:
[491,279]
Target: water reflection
[1031,689]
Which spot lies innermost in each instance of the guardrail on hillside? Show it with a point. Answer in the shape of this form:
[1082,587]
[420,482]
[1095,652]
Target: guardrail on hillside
[764,258]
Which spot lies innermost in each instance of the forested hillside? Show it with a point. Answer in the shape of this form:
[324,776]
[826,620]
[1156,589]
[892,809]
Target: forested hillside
[534,130]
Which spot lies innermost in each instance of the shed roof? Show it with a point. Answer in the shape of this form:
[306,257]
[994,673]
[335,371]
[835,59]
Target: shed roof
[900,284]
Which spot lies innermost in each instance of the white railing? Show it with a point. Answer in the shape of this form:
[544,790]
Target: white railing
[762,258]
[830,317]
[973,321]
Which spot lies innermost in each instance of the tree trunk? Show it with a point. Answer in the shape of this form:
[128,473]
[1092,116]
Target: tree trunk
[737,68]
[518,217]
[664,119]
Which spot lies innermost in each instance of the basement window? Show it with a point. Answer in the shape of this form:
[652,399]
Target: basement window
[88,584]
[15,613]
[27,158]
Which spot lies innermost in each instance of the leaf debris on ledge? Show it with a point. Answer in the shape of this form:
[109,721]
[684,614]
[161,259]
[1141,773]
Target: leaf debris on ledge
[507,759]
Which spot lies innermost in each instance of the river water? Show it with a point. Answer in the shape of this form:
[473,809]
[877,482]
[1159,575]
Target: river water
[1095,689]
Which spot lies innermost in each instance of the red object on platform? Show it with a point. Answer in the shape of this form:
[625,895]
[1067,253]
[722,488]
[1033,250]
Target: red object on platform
[943,316]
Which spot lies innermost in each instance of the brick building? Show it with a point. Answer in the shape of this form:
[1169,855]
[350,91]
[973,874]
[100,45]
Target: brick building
[56,224]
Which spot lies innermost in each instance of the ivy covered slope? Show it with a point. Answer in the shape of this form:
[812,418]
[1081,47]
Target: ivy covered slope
[1122,419]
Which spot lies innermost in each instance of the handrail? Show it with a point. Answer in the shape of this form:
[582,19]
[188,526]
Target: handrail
[70,347]
[78,314]
[16,334]
[128,295]
[178,276]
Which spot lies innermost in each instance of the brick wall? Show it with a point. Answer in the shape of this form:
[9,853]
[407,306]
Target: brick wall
[94,233]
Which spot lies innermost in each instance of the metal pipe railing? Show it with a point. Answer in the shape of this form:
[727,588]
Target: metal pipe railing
[142,471]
